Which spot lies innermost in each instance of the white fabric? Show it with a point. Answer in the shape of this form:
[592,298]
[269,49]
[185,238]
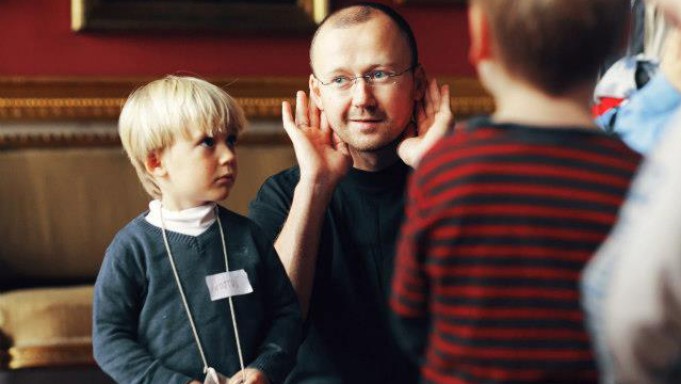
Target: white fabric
[192,221]
[656,29]
[619,81]
[642,311]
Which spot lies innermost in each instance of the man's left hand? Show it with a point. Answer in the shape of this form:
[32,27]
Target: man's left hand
[433,119]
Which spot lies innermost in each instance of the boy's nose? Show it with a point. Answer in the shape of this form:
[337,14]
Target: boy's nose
[226,154]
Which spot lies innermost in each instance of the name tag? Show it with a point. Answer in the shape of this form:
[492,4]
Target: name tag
[228,284]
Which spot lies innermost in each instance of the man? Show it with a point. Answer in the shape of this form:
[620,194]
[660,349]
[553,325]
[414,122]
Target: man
[335,217]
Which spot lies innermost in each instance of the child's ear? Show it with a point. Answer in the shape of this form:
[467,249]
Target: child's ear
[479,30]
[315,92]
[154,165]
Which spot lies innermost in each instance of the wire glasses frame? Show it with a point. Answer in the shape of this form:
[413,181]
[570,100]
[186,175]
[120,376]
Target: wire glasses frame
[373,78]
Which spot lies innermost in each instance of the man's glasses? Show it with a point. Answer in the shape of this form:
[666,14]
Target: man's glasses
[375,78]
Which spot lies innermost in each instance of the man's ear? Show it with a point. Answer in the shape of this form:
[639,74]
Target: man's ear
[315,92]
[479,31]
[154,165]
[420,82]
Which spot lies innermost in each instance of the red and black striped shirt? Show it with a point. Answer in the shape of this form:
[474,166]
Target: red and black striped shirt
[500,221]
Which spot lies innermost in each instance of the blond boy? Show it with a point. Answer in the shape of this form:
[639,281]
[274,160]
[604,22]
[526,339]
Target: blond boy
[188,289]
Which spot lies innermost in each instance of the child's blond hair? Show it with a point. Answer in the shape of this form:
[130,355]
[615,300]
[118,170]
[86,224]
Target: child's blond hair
[156,113]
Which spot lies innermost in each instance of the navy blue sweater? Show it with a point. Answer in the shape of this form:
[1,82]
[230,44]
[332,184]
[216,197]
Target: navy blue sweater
[141,332]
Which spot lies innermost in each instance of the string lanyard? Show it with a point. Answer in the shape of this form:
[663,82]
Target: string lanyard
[184,298]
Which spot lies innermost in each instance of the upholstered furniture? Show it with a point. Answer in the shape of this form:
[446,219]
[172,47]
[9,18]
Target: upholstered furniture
[59,209]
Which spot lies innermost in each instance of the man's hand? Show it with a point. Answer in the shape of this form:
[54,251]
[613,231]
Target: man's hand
[323,161]
[433,119]
[252,375]
[321,158]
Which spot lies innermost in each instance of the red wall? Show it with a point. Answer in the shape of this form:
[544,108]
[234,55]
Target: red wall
[37,41]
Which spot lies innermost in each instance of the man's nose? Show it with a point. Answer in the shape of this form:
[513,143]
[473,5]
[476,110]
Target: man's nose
[363,93]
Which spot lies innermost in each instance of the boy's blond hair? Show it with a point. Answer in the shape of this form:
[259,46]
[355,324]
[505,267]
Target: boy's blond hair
[556,44]
[157,113]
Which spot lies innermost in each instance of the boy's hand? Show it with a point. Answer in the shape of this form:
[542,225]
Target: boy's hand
[433,119]
[321,157]
[253,376]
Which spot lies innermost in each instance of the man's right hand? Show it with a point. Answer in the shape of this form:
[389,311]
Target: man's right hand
[323,161]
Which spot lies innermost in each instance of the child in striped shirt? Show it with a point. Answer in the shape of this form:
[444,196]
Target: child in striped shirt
[504,212]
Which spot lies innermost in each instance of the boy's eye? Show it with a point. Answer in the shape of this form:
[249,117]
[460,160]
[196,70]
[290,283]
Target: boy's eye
[231,140]
[208,142]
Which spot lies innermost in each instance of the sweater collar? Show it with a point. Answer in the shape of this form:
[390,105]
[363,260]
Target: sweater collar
[192,221]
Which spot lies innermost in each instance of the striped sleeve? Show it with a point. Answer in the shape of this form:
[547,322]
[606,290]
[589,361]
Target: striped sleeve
[410,291]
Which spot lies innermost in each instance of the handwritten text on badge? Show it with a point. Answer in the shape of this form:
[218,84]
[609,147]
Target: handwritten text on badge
[228,284]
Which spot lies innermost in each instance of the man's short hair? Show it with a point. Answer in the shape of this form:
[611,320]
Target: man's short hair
[556,44]
[157,113]
[362,12]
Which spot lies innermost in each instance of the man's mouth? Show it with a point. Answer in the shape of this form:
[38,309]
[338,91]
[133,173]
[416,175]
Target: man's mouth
[370,122]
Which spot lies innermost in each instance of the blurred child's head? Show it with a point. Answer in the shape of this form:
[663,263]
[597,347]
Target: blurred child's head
[552,44]
[177,129]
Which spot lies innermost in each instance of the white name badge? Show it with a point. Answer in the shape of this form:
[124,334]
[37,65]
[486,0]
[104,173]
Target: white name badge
[228,284]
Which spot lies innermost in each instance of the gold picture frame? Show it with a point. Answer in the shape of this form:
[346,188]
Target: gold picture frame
[431,2]
[258,17]
[49,102]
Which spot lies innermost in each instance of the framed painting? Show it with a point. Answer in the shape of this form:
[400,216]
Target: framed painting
[52,103]
[431,2]
[251,17]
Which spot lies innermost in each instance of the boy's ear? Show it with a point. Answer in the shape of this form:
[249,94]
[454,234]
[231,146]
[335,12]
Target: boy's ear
[315,92]
[479,31]
[154,165]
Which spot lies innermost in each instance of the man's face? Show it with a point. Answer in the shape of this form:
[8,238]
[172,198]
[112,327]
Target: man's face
[367,117]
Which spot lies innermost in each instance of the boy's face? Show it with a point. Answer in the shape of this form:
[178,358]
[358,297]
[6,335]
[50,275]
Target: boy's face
[197,170]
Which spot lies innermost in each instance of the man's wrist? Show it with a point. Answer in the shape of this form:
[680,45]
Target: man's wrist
[319,190]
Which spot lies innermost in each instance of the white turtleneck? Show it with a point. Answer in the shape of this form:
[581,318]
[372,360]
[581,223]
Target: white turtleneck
[191,221]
